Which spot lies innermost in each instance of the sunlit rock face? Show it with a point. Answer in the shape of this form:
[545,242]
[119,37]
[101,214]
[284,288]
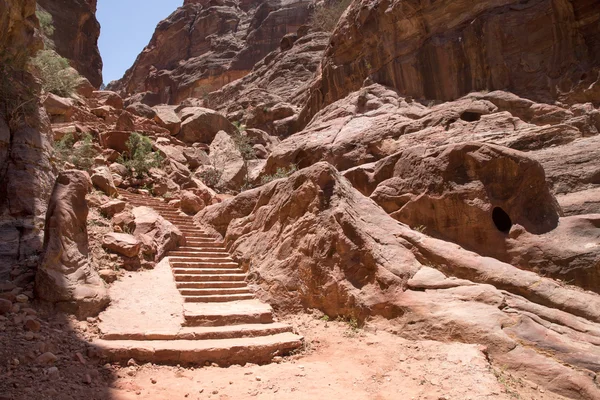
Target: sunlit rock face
[217,42]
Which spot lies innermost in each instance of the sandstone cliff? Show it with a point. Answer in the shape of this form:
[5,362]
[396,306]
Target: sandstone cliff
[26,174]
[76,32]
[543,50]
[217,43]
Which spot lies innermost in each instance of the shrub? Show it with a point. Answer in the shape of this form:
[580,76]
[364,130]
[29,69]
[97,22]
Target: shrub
[326,16]
[18,101]
[54,72]
[81,154]
[140,157]
[47,27]
[243,144]
[280,173]
[211,177]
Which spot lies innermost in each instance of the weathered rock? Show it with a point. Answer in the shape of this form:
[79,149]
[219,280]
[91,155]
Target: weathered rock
[122,243]
[46,358]
[5,306]
[76,35]
[313,241]
[163,235]
[445,49]
[471,194]
[65,276]
[25,150]
[141,110]
[126,122]
[190,202]
[112,207]
[116,140]
[278,81]
[166,117]
[216,44]
[59,106]
[226,157]
[125,220]
[103,180]
[108,275]
[108,98]
[32,324]
[201,125]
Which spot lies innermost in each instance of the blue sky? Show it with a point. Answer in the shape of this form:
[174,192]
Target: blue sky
[126,28]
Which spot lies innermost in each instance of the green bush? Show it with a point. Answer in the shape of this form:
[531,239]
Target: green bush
[211,177]
[243,144]
[140,157]
[280,173]
[81,154]
[18,101]
[326,16]
[54,72]
[47,27]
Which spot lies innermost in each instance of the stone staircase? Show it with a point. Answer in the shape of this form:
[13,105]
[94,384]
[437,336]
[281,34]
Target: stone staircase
[223,321]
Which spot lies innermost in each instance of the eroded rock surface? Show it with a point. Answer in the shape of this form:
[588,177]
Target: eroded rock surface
[445,49]
[312,240]
[65,276]
[217,43]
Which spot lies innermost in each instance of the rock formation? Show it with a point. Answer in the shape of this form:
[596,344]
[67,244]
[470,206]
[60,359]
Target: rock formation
[76,32]
[443,50]
[312,240]
[26,174]
[65,276]
[217,43]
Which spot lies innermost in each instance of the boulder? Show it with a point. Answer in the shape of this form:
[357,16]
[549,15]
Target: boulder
[122,243]
[118,169]
[103,180]
[5,306]
[116,140]
[126,122]
[112,207]
[227,159]
[108,98]
[202,125]
[156,231]
[59,106]
[84,88]
[166,117]
[65,276]
[190,202]
[103,112]
[141,110]
[124,220]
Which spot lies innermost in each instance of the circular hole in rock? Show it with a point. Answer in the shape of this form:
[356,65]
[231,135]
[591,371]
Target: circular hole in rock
[501,220]
[470,116]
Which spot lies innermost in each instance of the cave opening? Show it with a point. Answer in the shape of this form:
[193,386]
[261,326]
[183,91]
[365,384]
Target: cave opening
[501,220]
[470,116]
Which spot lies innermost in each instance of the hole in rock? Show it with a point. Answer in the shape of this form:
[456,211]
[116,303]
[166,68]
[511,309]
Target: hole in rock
[470,116]
[501,220]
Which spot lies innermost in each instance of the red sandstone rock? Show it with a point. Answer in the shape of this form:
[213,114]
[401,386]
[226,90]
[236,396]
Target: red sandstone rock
[122,243]
[65,277]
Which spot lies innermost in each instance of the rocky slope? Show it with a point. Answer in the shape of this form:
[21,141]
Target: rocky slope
[445,49]
[217,43]
[76,32]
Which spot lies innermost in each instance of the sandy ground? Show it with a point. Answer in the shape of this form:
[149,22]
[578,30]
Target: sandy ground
[339,363]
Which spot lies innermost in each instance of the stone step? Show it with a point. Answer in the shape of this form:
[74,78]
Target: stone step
[201,257]
[205,264]
[204,332]
[214,291]
[204,241]
[201,246]
[196,250]
[229,313]
[206,271]
[211,285]
[207,278]
[218,298]
[258,350]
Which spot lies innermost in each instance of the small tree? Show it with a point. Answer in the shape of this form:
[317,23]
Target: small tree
[140,157]
[55,73]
